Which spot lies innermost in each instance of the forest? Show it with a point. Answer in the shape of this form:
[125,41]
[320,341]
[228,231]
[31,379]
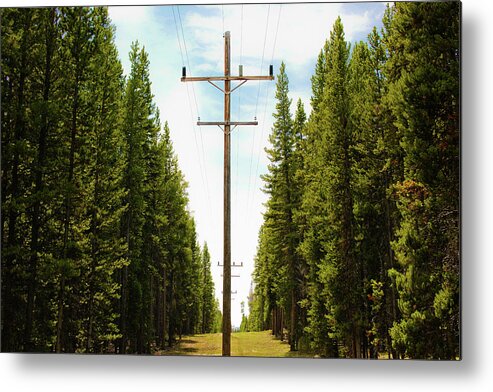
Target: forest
[358,255]
[99,249]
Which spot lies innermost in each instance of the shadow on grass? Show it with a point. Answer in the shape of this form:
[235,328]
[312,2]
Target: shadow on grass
[187,350]
[178,348]
[186,341]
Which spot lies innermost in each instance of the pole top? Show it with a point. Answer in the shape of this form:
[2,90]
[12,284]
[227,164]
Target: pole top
[227,34]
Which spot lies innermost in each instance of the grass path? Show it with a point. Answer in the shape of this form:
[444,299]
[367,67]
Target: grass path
[243,344]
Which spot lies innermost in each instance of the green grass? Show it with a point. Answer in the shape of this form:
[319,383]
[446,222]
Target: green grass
[243,344]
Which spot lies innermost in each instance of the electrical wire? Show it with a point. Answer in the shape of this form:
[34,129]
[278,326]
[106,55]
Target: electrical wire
[256,108]
[188,60]
[202,167]
[265,107]
[222,12]
[239,110]
[263,52]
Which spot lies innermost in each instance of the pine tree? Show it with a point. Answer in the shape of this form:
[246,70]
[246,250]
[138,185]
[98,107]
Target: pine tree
[283,202]
[41,250]
[18,35]
[77,26]
[208,291]
[137,121]
[424,98]
[373,208]
[104,175]
[327,202]
[310,217]
[100,252]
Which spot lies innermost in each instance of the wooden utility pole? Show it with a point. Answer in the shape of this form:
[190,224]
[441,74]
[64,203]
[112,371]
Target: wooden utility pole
[227,124]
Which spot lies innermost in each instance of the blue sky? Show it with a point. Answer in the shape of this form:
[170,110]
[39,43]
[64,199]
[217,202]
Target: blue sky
[260,35]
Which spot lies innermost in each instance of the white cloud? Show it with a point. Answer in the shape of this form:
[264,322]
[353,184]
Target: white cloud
[303,29]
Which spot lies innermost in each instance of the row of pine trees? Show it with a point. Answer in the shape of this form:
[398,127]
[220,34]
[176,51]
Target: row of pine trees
[358,255]
[99,249]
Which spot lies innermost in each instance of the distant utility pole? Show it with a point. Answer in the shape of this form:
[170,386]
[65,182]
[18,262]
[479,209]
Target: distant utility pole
[226,127]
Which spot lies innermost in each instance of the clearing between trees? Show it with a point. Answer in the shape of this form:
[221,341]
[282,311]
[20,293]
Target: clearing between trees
[243,344]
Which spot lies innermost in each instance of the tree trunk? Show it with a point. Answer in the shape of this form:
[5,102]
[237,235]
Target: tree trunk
[171,322]
[39,185]
[281,322]
[61,304]
[390,255]
[123,309]
[292,322]
[274,321]
[124,292]
[165,305]
[12,240]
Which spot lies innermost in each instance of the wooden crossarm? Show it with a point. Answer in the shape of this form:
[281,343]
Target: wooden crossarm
[231,123]
[219,78]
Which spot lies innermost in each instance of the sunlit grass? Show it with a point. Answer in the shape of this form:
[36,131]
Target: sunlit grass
[243,344]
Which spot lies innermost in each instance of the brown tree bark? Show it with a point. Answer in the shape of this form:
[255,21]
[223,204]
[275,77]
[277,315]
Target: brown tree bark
[12,240]
[38,182]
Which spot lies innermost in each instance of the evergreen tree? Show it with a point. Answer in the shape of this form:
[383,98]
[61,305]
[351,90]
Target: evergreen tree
[358,254]
[208,290]
[77,46]
[18,36]
[370,191]
[283,202]
[329,242]
[424,98]
[138,122]
[103,175]
[45,192]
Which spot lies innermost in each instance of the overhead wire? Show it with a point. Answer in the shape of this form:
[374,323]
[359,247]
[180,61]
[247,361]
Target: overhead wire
[188,59]
[263,52]
[239,110]
[222,12]
[202,167]
[256,107]
[265,106]
[236,140]
[198,113]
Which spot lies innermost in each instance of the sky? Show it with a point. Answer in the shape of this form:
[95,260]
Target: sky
[261,34]
[473,373]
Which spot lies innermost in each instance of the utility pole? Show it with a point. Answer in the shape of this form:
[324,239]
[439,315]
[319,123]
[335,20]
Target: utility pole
[226,127]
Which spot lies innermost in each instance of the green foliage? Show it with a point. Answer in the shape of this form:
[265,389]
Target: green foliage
[423,96]
[358,254]
[375,194]
[99,249]
[276,299]
[207,294]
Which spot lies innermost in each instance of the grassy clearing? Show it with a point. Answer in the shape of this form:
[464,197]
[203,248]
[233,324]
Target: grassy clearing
[243,344]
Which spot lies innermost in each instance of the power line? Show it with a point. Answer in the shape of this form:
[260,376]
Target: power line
[265,108]
[239,110]
[198,115]
[226,128]
[263,52]
[222,11]
[178,36]
[202,167]
[188,60]
[256,107]
[275,36]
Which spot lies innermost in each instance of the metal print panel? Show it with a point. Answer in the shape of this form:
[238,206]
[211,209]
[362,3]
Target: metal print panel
[275,180]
